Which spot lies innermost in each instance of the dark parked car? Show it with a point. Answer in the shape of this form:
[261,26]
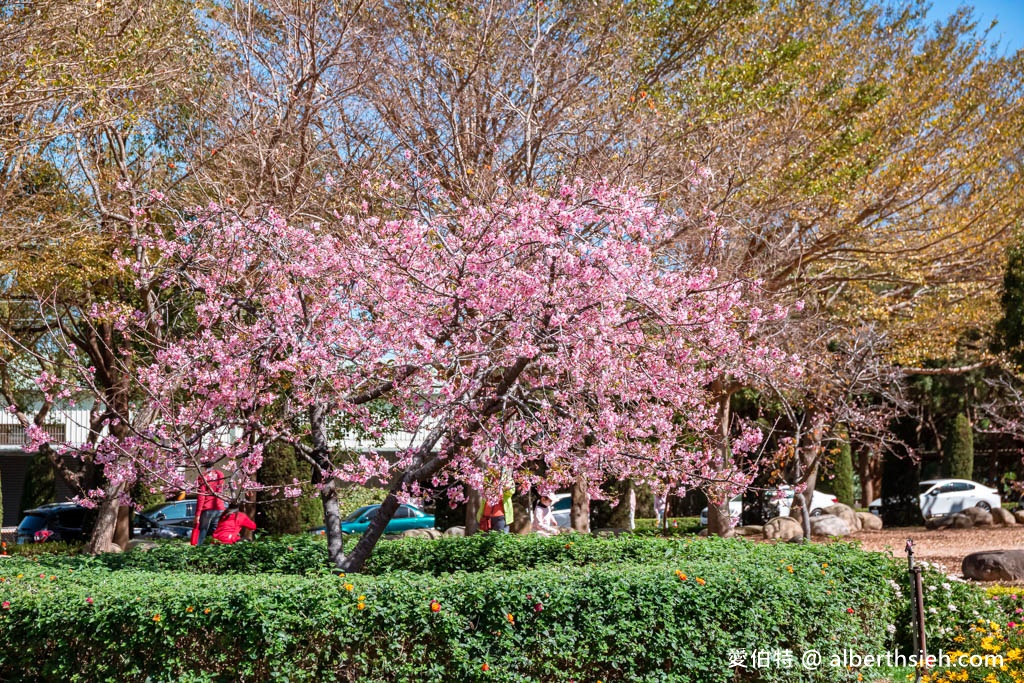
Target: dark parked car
[166,520]
[66,522]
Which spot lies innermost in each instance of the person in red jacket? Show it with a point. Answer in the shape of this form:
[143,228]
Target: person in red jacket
[209,506]
[229,528]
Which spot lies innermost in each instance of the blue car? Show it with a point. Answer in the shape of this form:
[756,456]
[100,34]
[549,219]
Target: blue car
[406,517]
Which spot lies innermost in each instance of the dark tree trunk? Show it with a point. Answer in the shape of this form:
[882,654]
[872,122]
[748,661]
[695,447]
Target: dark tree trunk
[719,515]
[473,503]
[579,514]
[328,486]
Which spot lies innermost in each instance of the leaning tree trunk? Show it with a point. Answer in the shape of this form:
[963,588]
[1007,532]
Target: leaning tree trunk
[579,514]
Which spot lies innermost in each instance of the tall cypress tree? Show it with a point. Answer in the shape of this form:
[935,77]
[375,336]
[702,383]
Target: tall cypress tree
[958,458]
[842,482]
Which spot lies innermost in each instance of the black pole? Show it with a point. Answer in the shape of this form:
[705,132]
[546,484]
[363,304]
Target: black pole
[918,591]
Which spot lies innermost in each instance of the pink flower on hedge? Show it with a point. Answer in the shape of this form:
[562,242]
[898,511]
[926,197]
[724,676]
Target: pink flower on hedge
[849,610]
[88,601]
[6,604]
[539,607]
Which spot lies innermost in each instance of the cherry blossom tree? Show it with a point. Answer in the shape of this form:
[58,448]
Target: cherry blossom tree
[550,338]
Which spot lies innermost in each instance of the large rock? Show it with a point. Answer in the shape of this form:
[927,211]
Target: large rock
[455,531]
[1003,517]
[1019,516]
[869,522]
[749,530]
[829,525]
[942,522]
[994,565]
[845,513]
[962,521]
[421,533]
[783,529]
[978,516]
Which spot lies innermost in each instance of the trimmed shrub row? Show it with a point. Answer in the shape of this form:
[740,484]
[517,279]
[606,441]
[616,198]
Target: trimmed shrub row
[594,609]
[622,623]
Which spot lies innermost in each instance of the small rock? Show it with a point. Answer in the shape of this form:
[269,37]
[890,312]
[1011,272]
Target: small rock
[869,522]
[829,525]
[994,565]
[783,528]
[845,513]
[1019,516]
[978,516]
[1003,517]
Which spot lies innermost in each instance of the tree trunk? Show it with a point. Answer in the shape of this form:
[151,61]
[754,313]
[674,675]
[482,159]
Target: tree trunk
[332,517]
[719,515]
[579,514]
[328,486]
[473,503]
[101,540]
[123,527]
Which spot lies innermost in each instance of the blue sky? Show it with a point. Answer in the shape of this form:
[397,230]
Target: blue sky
[1010,13]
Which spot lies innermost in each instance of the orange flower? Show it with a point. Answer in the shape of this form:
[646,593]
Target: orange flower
[700,581]
[682,576]
[156,618]
[435,606]
[361,606]
[189,609]
[206,611]
[485,667]
[511,619]
[789,568]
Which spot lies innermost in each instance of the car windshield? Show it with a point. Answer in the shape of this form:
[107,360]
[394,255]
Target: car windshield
[357,514]
[32,524]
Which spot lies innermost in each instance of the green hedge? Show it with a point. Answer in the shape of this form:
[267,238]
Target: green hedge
[611,609]
[634,623]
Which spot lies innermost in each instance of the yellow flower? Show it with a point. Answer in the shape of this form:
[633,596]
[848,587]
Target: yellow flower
[511,618]
[348,586]
[789,568]
[361,598]
[361,606]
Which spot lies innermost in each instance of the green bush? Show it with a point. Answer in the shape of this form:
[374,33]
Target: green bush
[674,620]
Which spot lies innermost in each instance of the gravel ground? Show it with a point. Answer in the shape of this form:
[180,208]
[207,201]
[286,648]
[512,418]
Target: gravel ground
[945,547]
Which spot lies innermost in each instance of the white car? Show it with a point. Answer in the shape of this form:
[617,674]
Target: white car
[945,496]
[819,501]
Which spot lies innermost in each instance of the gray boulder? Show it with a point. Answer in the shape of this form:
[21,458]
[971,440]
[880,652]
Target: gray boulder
[783,529]
[994,565]
[455,531]
[869,522]
[978,516]
[1003,517]
[829,525]
[1019,516]
[845,513]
